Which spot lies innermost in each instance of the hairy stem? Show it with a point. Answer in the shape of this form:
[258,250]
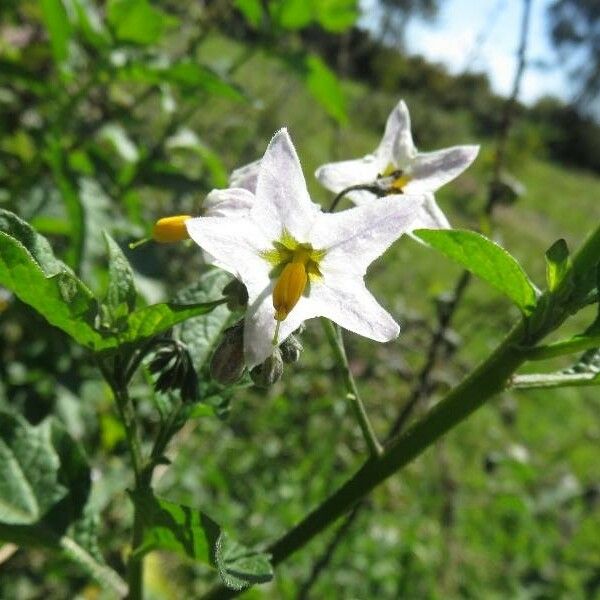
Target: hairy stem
[336,342]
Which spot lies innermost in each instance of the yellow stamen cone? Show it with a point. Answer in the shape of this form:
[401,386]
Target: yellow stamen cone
[170,229]
[289,288]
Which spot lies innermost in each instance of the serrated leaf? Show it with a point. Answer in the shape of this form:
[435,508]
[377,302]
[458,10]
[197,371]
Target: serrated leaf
[62,299]
[138,21]
[57,22]
[239,566]
[486,259]
[557,263]
[120,294]
[192,533]
[202,333]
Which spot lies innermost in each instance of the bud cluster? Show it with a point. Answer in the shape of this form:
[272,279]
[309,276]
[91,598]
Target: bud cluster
[173,365]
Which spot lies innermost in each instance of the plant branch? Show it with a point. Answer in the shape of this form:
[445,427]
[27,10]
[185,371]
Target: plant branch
[488,379]
[336,342]
[553,380]
[562,347]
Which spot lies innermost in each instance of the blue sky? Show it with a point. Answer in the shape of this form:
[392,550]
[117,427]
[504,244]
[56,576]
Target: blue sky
[483,35]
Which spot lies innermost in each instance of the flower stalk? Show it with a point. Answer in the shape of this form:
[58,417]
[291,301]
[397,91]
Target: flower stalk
[334,336]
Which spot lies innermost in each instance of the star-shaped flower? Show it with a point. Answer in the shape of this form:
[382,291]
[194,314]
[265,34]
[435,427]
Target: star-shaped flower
[398,168]
[298,262]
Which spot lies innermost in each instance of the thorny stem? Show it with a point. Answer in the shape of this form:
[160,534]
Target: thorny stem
[337,345]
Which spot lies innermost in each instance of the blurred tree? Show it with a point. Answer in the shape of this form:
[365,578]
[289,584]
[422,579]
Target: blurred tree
[395,15]
[575,27]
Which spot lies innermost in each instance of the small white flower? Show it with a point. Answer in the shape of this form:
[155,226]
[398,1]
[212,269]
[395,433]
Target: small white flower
[298,262]
[407,171]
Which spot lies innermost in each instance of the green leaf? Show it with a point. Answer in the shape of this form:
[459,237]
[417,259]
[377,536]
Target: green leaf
[188,76]
[36,244]
[291,14]
[202,333]
[57,22]
[336,15]
[121,294]
[190,532]
[44,488]
[251,9]
[29,471]
[485,259]
[240,567]
[137,21]
[155,319]
[175,527]
[557,263]
[62,299]
[325,87]
[44,476]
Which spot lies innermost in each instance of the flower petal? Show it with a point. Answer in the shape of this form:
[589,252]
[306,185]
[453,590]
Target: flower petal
[235,243]
[230,202]
[354,238]
[431,170]
[397,146]
[431,215]
[282,200]
[338,176]
[260,324]
[246,176]
[344,299]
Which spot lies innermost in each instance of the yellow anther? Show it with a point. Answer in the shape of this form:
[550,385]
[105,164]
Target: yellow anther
[170,229]
[399,183]
[289,287]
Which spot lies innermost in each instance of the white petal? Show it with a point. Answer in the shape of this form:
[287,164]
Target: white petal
[260,323]
[397,146]
[282,200]
[431,216]
[431,170]
[235,244]
[230,202]
[345,300]
[246,176]
[338,176]
[354,238]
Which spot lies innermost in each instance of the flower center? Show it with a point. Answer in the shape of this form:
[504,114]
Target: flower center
[397,179]
[290,285]
[295,265]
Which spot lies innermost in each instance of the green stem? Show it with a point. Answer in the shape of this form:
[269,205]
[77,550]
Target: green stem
[334,337]
[570,346]
[553,380]
[366,187]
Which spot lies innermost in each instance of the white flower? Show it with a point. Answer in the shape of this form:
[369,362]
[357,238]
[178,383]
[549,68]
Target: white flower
[298,262]
[407,170]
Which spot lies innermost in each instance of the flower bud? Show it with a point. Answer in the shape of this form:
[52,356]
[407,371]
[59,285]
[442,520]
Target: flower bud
[237,295]
[170,229]
[227,364]
[269,372]
[291,349]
